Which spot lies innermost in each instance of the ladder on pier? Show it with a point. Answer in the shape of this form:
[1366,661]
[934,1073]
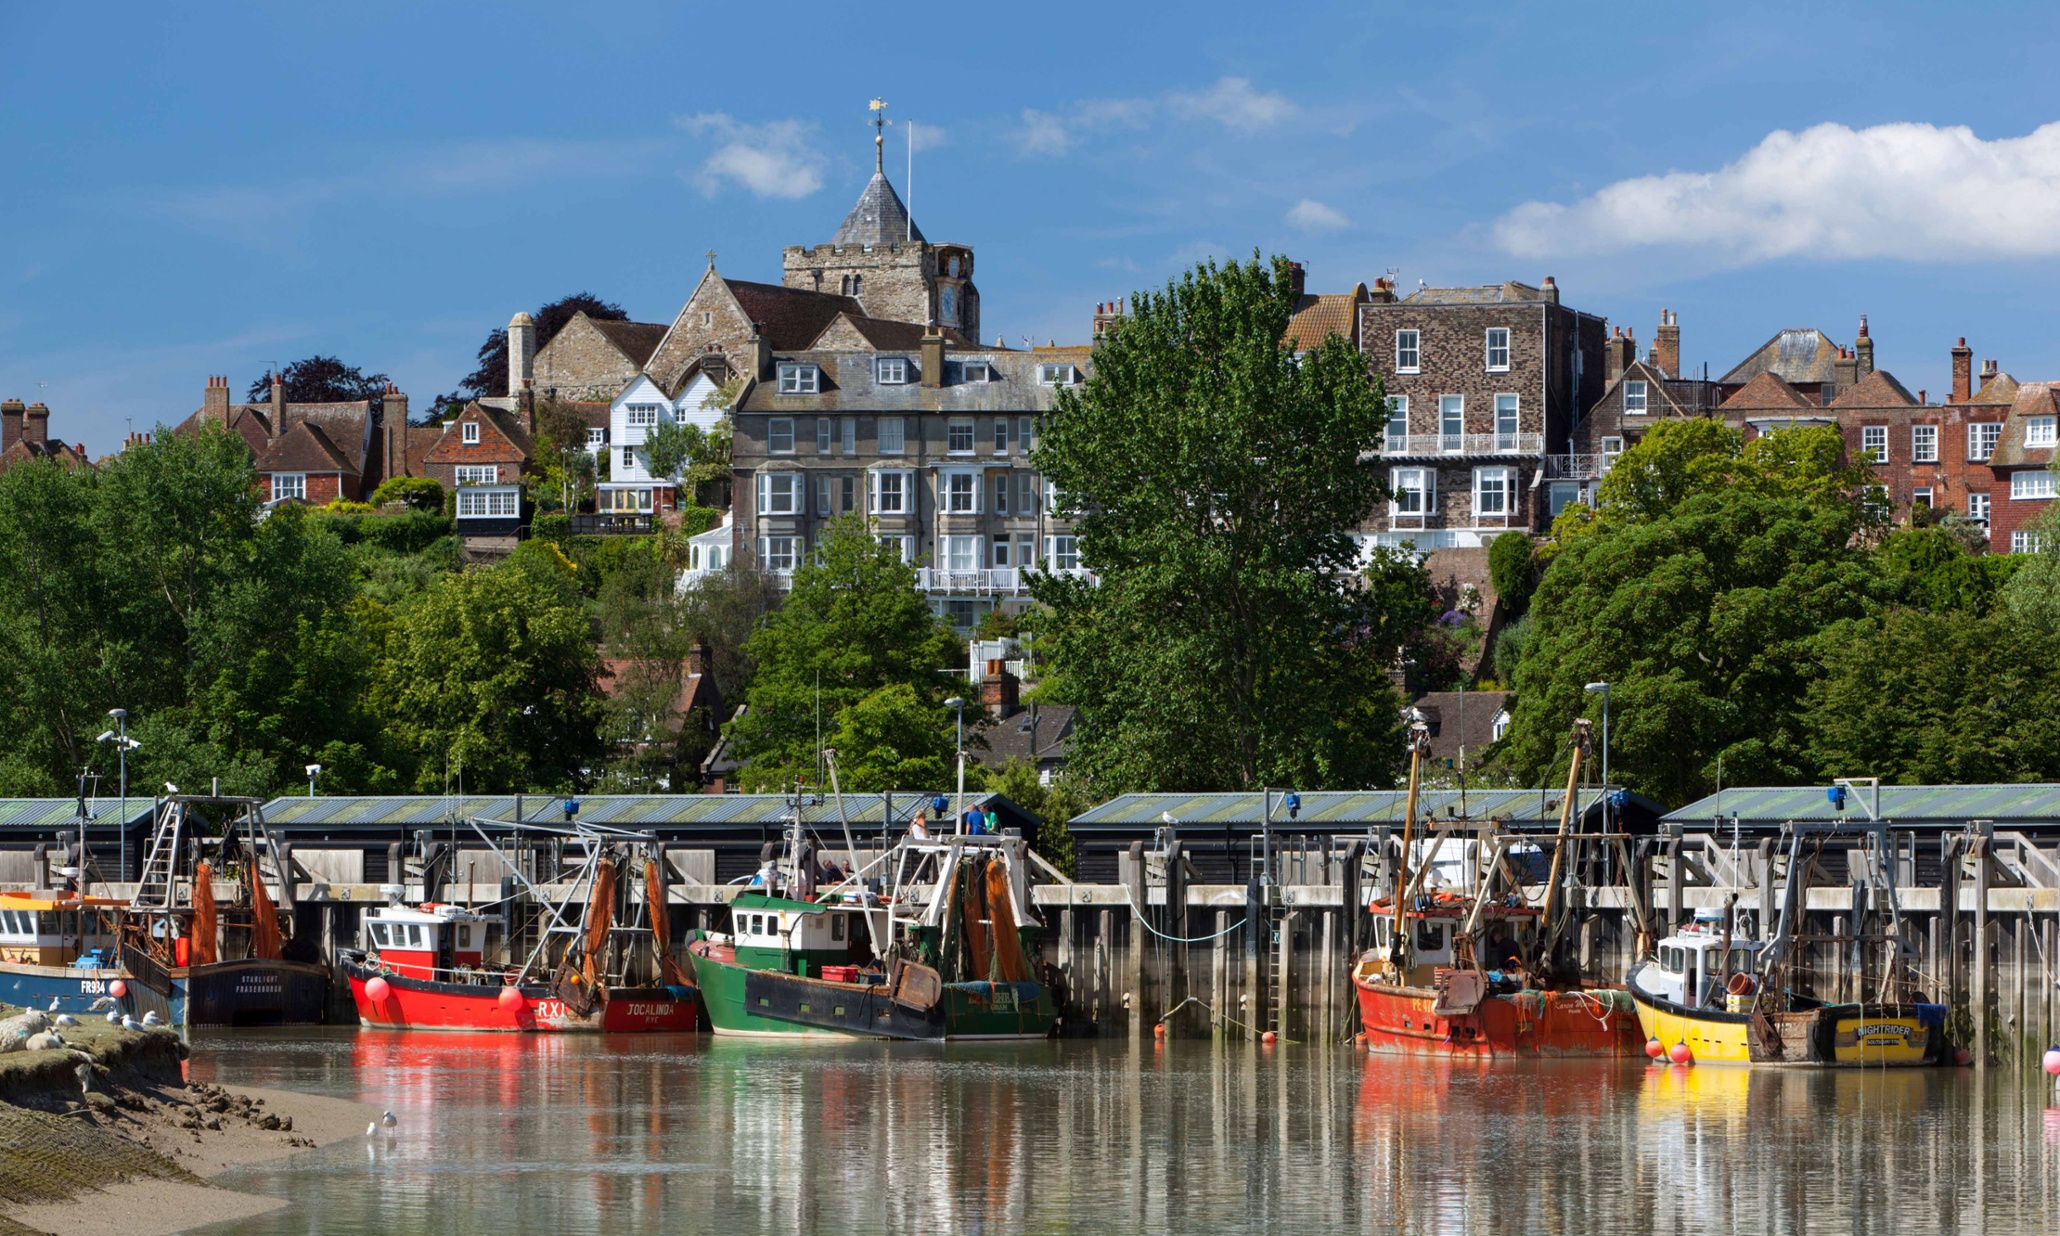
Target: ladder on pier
[157,884]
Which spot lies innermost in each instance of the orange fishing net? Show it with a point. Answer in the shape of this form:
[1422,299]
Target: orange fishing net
[1009,963]
[661,923]
[204,929]
[600,918]
[973,908]
[264,921]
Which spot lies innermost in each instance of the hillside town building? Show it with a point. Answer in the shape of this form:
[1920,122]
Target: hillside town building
[25,435]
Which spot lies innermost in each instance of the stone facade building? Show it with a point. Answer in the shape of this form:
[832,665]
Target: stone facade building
[1483,384]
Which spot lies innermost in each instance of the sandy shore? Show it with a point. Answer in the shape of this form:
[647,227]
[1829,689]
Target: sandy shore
[168,1139]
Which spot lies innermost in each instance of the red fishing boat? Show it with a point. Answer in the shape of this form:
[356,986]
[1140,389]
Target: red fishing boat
[1473,974]
[425,968]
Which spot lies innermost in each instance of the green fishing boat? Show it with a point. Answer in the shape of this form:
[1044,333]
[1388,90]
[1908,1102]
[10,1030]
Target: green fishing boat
[932,946]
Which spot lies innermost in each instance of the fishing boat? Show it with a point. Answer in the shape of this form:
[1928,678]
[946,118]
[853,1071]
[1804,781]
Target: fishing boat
[1473,973]
[934,945]
[1709,994]
[205,961]
[62,950]
[426,967]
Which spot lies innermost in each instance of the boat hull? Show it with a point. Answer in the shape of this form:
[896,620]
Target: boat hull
[1404,1021]
[1833,1036]
[749,1003]
[255,992]
[75,990]
[422,1004]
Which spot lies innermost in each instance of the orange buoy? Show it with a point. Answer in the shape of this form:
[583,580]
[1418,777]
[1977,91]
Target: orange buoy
[1680,1054]
[1159,1030]
[377,990]
[1268,1038]
[1655,1049]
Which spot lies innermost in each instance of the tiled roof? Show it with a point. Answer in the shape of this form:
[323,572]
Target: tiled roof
[1511,293]
[1461,719]
[1792,356]
[2001,389]
[2031,399]
[1317,317]
[791,317]
[508,425]
[1766,392]
[1039,733]
[635,340]
[305,448]
[878,218]
[1877,390]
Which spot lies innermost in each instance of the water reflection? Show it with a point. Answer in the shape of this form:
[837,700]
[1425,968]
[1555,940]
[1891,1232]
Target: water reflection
[574,1134]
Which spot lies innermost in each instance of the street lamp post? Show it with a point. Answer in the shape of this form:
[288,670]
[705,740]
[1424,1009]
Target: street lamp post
[957,704]
[1602,689]
[122,746]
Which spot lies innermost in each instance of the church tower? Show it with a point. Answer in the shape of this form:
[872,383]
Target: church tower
[881,259]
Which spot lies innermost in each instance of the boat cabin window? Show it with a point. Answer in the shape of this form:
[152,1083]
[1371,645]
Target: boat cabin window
[1430,936]
[1672,958]
[836,926]
[464,936]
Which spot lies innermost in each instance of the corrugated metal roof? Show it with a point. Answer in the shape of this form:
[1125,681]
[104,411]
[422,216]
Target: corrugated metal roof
[625,811]
[1943,805]
[1333,809]
[44,814]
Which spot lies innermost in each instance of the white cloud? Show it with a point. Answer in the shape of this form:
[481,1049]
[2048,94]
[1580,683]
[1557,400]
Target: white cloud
[775,159]
[1233,102]
[1313,216]
[1042,133]
[1917,192]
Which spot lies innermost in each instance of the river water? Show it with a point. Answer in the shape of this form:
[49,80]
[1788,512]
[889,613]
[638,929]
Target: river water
[508,1133]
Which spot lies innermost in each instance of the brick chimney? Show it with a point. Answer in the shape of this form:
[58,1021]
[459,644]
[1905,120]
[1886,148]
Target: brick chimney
[1619,350]
[1107,314]
[278,407]
[393,405]
[214,405]
[1845,370]
[933,356]
[761,353]
[1863,349]
[1666,344]
[1000,691]
[1963,372]
[35,423]
[1383,292]
[1989,370]
[1551,290]
[1297,279]
[700,660]
[10,423]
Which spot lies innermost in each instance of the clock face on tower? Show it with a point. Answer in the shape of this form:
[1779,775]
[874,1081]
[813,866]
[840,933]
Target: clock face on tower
[947,304]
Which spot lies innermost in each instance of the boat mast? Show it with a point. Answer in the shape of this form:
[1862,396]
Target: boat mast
[1547,933]
[851,851]
[1419,746]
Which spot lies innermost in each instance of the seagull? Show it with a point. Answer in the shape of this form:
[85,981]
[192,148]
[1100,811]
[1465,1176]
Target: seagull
[55,1004]
[85,1072]
[104,1002]
[372,1129]
[130,1023]
[114,1017]
[152,1019]
[66,1019]
[386,1118]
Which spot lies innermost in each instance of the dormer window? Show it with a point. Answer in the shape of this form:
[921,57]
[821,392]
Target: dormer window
[976,371]
[800,380]
[1634,399]
[1057,375]
[891,370]
[468,433]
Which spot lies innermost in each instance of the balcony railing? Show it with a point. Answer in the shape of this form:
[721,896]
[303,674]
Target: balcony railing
[610,523]
[1577,467]
[1417,444]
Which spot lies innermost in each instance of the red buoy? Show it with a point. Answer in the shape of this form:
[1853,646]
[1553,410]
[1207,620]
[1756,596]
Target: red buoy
[2052,1061]
[377,990]
[1159,1030]
[1680,1054]
[1654,1049]
[510,999]
[1268,1038]
[117,989]
[1962,1057]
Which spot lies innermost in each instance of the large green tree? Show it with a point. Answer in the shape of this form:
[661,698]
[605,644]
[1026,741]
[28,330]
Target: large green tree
[852,623]
[1697,589]
[491,676]
[1215,474]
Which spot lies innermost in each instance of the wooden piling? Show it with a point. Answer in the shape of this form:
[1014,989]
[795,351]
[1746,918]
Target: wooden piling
[1252,1007]
[1219,978]
[1284,980]
[1982,978]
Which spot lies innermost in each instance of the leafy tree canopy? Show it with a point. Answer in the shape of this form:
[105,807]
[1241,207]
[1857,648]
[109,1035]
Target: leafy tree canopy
[1215,476]
[321,379]
[852,623]
[895,739]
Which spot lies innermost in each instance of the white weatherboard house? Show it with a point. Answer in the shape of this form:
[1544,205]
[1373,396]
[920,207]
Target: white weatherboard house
[630,487]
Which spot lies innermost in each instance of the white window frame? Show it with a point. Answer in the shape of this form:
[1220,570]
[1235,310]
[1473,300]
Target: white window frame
[1026,428]
[1062,552]
[1612,447]
[779,435]
[799,379]
[2041,432]
[879,490]
[847,435]
[902,545]
[629,456]
[891,370]
[1057,375]
[1499,482]
[822,496]
[1001,435]
[640,415]
[2032,485]
[479,474]
[1414,492]
[289,485]
[2025,541]
[1509,409]
[822,435]
[895,443]
[488,504]
[1982,437]
[1874,443]
[959,492]
[1003,482]
[1637,397]
[1451,410]
[1398,419]
[975,371]
[596,437]
[779,554]
[1921,496]
[1978,507]
[780,493]
[468,433]
[953,429]
[999,553]
[1497,341]
[1408,351]
[963,554]
[1923,444]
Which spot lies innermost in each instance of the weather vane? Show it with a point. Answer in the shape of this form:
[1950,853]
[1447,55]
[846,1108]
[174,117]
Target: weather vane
[879,110]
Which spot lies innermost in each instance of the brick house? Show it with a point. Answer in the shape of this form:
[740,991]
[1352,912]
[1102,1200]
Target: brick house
[1484,384]
[481,457]
[2022,464]
[308,452]
[25,435]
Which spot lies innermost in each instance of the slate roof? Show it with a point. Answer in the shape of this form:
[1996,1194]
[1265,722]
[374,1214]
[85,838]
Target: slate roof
[1511,293]
[849,384]
[632,812]
[1766,393]
[889,336]
[1461,718]
[1034,734]
[1319,316]
[1792,356]
[878,218]
[1944,806]
[790,317]
[305,448]
[1877,390]
[635,340]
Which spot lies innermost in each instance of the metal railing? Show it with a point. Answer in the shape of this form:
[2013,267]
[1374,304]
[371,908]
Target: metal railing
[611,523]
[1578,467]
[1464,444]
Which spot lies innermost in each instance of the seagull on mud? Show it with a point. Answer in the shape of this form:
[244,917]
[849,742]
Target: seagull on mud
[151,1018]
[85,1072]
[386,1118]
[55,1004]
[130,1023]
[372,1130]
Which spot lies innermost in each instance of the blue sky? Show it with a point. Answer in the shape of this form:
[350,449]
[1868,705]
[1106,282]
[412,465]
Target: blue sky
[218,190]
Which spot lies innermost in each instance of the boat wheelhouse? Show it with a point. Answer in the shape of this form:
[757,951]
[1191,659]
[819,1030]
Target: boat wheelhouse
[66,950]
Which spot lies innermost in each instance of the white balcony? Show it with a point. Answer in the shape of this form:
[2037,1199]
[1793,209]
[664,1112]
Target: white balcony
[1578,467]
[1432,444]
[990,581]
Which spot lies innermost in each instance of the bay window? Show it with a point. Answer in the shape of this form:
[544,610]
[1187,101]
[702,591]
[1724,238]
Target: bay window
[1415,491]
[889,493]
[289,485]
[1493,492]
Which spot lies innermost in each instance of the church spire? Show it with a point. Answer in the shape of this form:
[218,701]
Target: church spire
[879,218]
